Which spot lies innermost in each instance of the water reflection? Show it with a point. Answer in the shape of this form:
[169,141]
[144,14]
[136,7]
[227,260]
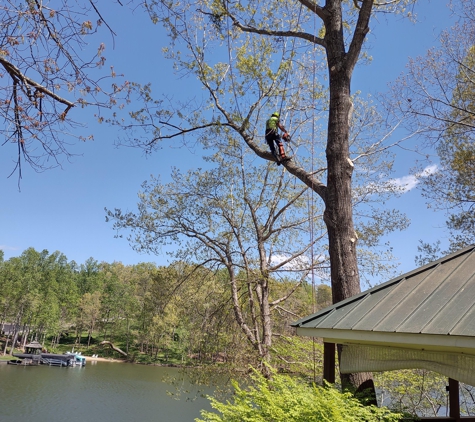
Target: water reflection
[106,392]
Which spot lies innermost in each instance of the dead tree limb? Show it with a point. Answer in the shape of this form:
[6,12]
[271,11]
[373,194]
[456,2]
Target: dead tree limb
[104,343]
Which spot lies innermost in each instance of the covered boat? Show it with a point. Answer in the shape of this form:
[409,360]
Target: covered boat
[33,352]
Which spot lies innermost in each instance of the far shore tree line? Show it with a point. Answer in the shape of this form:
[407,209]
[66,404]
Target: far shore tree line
[154,314]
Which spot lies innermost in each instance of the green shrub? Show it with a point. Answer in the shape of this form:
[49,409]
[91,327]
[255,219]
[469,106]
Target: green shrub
[287,398]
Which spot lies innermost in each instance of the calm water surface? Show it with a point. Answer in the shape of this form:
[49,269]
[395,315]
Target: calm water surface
[102,392]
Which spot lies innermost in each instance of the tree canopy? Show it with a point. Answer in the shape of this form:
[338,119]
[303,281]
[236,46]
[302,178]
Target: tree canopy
[48,69]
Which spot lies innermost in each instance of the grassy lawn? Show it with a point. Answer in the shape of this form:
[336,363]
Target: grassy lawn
[7,357]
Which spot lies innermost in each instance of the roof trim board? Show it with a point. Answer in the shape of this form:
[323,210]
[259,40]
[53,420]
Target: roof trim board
[463,344]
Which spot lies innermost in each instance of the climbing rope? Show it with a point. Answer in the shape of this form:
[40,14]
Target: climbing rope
[231,64]
[292,51]
[312,199]
[284,92]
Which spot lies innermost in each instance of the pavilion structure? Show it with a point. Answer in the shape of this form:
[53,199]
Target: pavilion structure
[423,319]
[33,348]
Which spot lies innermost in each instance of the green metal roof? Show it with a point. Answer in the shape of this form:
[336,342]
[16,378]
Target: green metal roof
[433,302]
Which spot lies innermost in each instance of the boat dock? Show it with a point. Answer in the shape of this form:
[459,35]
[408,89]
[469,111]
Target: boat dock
[34,356]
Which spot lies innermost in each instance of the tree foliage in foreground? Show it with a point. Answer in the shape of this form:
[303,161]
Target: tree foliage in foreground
[286,398]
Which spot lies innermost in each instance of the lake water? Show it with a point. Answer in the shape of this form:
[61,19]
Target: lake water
[99,392]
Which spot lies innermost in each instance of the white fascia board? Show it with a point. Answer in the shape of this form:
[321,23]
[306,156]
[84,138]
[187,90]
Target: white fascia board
[459,344]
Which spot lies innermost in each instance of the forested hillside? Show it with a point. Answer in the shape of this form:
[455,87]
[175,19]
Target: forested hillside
[154,314]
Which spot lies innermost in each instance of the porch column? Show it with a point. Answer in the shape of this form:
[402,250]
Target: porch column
[454,400]
[329,362]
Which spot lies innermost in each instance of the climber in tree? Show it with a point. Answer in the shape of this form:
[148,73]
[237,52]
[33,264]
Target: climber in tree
[273,138]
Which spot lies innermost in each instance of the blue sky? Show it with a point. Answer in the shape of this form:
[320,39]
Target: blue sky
[63,209]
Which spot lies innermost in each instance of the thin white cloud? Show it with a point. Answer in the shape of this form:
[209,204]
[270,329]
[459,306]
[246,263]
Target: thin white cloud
[433,168]
[406,183]
[409,182]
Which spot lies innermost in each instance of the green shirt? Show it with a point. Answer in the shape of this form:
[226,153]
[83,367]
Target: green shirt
[272,123]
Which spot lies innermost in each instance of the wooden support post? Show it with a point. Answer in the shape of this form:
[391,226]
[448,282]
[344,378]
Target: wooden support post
[329,362]
[454,400]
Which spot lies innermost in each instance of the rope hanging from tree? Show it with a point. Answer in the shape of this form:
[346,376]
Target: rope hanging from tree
[311,210]
[284,91]
[312,200]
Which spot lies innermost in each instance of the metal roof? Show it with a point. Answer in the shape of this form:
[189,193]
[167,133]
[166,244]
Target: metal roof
[34,345]
[433,302]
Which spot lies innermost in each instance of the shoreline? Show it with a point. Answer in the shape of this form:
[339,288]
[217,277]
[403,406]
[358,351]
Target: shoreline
[164,365]
[88,359]
[115,360]
[91,359]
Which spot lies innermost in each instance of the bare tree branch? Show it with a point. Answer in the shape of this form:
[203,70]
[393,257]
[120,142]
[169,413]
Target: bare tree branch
[16,74]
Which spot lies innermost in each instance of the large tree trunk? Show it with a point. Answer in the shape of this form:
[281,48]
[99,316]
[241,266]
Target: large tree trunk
[16,331]
[338,215]
[5,347]
[266,341]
